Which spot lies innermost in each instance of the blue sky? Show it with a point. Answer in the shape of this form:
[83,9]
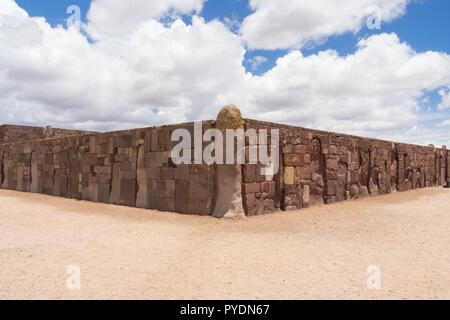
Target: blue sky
[271,61]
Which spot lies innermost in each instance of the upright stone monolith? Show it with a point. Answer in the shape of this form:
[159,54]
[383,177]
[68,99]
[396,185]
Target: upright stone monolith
[228,202]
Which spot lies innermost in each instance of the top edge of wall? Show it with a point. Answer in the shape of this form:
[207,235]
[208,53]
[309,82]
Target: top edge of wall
[344,135]
[185,124]
[94,133]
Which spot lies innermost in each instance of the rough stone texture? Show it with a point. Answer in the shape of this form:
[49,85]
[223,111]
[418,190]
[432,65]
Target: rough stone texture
[131,168]
[321,167]
[267,197]
[229,117]
[13,133]
[134,168]
[229,201]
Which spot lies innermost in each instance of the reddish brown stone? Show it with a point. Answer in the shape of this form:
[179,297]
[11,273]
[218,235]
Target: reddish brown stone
[182,172]
[250,204]
[332,164]
[128,192]
[250,173]
[302,173]
[269,205]
[331,190]
[293,159]
[302,149]
[252,188]
[265,187]
[307,159]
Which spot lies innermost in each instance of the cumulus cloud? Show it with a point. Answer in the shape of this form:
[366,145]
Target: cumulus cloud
[445,123]
[113,18]
[374,92]
[445,95]
[284,24]
[54,75]
[161,73]
[256,62]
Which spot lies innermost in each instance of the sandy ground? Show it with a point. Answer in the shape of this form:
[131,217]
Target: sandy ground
[316,253]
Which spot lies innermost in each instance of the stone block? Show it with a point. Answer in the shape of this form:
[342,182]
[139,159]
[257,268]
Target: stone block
[302,149]
[259,206]
[250,173]
[128,192]
[181,172]
[182,196]
[269,205]
[127,175]
[250,204]
[154,173]
[289,174]
[252,187]
[295,160]
[125,140]
[302,173]
[307,159]
[201,190]
[332,164]
[102,170]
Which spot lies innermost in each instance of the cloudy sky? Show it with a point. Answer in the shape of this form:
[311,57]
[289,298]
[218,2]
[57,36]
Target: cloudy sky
[377,68]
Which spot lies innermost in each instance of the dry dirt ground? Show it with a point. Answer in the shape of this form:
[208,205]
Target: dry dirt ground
[316,253]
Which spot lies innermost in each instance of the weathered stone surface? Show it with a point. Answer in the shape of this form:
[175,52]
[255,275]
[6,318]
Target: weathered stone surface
[201,190]
[134,168]
[182,196]
[229,117]
[289,174]
[306,196]
[354,191]
[252,187]
[250,204]
[142,197]
[293,160]
[229,203]
[250,173]
[302,173]
[316,190]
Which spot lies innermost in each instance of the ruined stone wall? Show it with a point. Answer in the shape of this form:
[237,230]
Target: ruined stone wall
[320,167]
[134,168]
[13,133]
[131,168]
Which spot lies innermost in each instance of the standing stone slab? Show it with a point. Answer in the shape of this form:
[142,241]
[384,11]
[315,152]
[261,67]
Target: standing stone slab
[228,202]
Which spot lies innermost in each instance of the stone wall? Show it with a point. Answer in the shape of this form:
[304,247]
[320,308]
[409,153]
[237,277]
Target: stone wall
[131,168]
[13,133]
[134,168]
[319,167]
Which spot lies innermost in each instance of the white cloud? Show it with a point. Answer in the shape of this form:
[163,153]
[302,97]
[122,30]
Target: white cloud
[55,76]
[374,92]
[282,24]
[445,123]
[114,18]
[445,95]
[257,61]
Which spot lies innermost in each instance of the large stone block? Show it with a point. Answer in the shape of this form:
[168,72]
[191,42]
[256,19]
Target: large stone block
[182,172]
[252,187]
[302,173]
[289,174]
[182,196]
[128,192]
[250,173]
[125,140]
[295,160]
[201,190]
